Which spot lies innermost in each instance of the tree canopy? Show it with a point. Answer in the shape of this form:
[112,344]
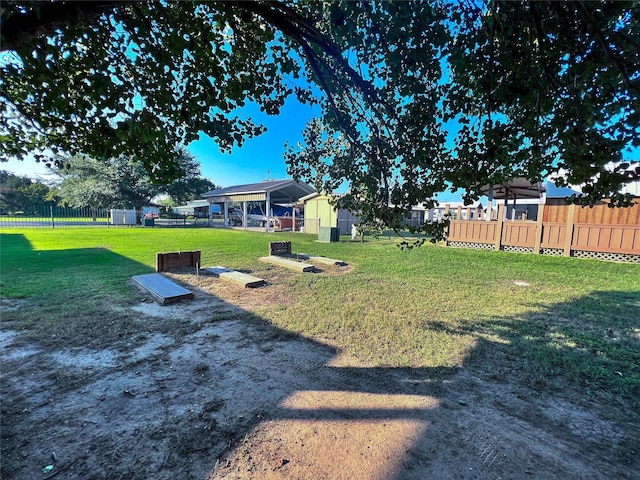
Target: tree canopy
[19,193]
[542,87]
[530,88]
[123,182]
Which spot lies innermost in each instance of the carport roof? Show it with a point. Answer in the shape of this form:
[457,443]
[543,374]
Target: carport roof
[516,188]
[280,191]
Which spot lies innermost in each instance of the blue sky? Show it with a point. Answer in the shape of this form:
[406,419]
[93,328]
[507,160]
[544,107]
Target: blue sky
[259,158]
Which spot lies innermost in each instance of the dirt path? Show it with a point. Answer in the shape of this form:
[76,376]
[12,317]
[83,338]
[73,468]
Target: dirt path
[231,397]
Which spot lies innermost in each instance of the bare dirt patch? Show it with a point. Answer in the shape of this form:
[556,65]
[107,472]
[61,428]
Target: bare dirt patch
[228,396]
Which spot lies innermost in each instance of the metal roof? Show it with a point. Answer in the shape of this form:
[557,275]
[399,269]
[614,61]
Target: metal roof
[280,191]
[516,188]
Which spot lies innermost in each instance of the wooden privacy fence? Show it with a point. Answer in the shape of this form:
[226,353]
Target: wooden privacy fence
[599,232]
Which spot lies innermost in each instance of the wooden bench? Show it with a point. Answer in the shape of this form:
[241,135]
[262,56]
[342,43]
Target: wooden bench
[163,290]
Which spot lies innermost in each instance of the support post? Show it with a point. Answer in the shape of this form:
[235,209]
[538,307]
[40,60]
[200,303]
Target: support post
[568,239]
[210,214]
[244,215]
[268,208]
[226,214]
[539,227]
[500,219]
[489,203]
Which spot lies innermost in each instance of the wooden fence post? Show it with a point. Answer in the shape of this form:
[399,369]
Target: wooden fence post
[499,222]
[568,239]
[539,228]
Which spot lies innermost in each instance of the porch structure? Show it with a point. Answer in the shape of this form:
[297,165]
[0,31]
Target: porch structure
[279,192]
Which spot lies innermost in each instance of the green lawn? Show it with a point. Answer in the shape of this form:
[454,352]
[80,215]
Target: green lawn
[576,325]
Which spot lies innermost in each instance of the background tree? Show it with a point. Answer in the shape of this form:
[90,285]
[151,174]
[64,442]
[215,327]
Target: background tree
[21,194]
[542,88]
[123,182]
[116,183]
[190,186]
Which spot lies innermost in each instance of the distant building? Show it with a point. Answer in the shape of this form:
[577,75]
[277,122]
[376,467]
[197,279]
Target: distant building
[419,214]
[632,187]
[197,208]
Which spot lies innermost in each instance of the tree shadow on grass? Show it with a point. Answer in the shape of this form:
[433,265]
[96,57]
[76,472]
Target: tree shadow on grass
[204,389]
[65,292]
[591,344]
[571,369]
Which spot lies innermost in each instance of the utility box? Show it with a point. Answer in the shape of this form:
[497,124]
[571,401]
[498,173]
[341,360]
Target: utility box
[149,222]
[123,217]
[117,216]
[130,217]
[329,234]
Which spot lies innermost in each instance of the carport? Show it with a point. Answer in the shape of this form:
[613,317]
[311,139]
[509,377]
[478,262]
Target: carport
[516,188]
[281,192]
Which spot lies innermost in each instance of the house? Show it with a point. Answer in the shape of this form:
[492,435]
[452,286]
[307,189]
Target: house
[318,212]
[197,208]
[419,214]
[527,208]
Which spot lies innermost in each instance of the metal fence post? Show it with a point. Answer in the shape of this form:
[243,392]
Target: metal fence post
[52,222]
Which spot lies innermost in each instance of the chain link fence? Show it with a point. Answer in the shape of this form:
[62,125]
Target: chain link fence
[57,217]
[66,217]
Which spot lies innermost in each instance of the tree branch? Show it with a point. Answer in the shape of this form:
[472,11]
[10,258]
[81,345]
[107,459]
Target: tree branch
[603,43]
[20,30]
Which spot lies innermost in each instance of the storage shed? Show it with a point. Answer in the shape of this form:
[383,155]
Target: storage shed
[318,212]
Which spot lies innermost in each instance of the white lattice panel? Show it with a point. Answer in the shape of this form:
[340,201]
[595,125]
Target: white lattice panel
[557,252]
[510,248]
[480,246]
[608,256]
